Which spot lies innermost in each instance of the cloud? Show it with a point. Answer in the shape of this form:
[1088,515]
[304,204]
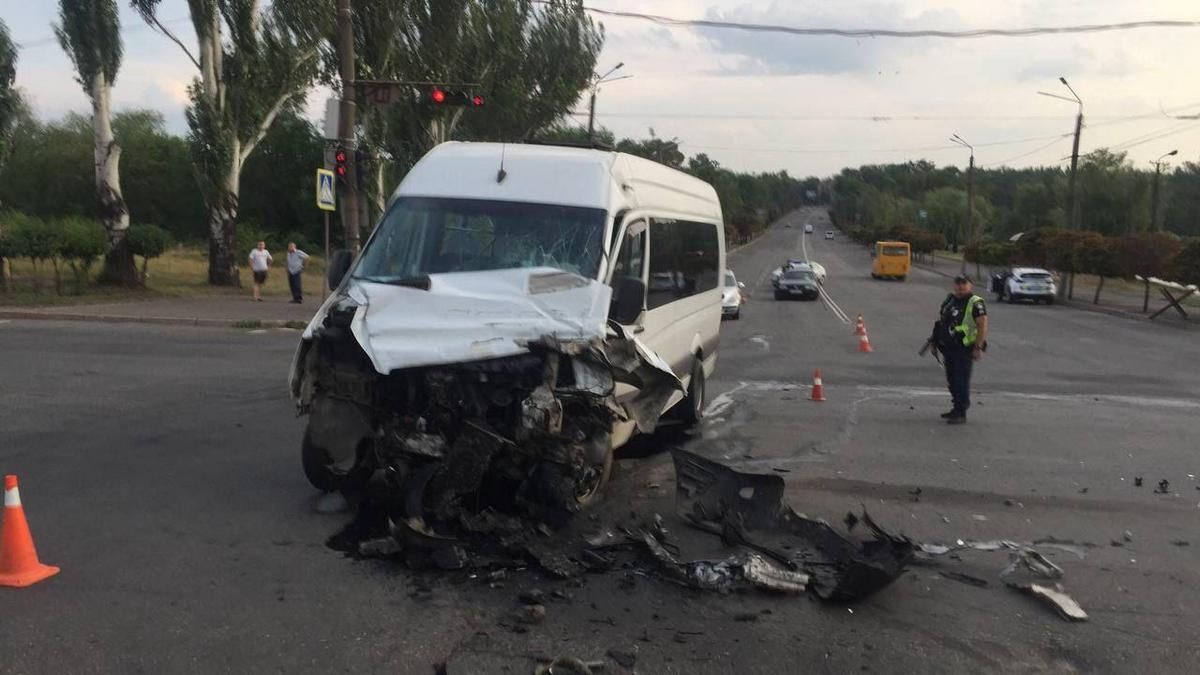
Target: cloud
[777,53]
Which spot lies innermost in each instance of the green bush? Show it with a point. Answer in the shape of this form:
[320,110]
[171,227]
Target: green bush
[36,240]
[81,242]
[147,241]
[248,236]
[303,243]
[1185,266]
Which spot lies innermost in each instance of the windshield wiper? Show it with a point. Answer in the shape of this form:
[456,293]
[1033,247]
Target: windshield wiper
[420,282]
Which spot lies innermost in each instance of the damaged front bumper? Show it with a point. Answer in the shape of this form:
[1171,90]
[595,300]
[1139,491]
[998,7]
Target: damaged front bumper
[506,390]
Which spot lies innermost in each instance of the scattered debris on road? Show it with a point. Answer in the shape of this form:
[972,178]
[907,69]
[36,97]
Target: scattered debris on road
[748,510]
[964,578]
[1164,487]
[1056,598]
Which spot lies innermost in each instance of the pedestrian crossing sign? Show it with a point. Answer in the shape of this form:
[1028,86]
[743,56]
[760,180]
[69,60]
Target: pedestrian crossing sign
[326,195]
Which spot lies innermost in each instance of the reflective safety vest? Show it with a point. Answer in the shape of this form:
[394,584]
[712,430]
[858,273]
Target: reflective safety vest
[967,327]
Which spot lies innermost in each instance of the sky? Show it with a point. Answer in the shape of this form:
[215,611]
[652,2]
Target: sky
[808,105]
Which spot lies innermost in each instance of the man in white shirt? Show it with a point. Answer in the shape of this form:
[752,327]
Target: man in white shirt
[260,262]
[295,268]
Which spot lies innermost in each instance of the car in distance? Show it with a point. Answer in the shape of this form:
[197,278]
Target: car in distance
[790,263]
[808,228]
[797,283]
[731,297]
[1025,283]
[891,260]
[829,234]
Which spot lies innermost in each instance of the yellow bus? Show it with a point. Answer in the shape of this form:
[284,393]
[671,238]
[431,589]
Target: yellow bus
[891,260]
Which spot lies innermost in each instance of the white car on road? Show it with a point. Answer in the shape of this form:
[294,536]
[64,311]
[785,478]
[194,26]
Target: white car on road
[1026,283]
[817,269]
[808,228]
[731,297]
[829,234]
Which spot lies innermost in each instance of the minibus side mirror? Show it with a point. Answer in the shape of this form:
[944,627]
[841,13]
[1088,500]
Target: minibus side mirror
[629,296]
[339,264]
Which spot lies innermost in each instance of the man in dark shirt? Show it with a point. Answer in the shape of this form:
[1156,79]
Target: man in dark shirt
[963,330]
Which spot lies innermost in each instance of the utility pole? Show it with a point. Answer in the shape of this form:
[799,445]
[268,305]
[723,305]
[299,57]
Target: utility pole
[597,80]
[969,234]
[592,118]
[346,123]
[1154,226]
[1067,289]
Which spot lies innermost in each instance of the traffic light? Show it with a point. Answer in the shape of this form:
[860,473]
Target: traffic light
[340,163]
[439,96]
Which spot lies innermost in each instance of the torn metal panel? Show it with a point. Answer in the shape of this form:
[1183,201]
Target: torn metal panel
[1064,604]
[1020,554]
[748,509]
[471,316]
[770,577]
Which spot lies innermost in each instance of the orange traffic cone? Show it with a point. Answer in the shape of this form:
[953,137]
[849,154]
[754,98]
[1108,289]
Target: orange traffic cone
[818,387]
[19,564]
[860,326]
[864,344]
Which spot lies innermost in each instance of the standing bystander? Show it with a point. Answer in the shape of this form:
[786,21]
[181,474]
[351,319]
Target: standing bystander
[295,268]
[260,262]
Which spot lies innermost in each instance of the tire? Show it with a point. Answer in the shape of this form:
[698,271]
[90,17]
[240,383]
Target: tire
[585,497]
[691,409]
[737,315]
[316,466]
[1050,300]
[779,295]
[874,276]
[902,278]
[1012,299]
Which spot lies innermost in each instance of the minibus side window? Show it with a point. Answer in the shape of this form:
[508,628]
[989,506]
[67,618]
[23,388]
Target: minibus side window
[684,260]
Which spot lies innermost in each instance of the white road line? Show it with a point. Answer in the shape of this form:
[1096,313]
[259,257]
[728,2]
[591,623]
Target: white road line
[826,298]
[881,391]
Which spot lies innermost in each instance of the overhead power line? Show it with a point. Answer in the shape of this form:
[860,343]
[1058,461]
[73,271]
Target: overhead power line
[888,32]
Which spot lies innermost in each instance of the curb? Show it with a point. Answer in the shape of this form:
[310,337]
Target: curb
[1083,306]
[154,320]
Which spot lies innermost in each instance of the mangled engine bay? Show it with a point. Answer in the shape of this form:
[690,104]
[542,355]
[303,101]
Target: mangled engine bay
[527,434]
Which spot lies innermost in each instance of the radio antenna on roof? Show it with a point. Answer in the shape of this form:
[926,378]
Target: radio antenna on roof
[501,174]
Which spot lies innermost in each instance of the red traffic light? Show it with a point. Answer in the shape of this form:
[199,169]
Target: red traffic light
[340,156]
[477,100]
[437,96]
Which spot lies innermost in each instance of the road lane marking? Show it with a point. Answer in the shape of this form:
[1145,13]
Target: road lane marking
[762,341]
[727,399]
[826,298]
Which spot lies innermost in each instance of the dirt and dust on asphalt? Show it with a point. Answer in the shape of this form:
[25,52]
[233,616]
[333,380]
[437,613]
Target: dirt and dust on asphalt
[689,522]
[201,549]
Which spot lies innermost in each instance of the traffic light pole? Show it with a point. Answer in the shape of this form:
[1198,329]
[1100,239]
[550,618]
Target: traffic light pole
[346,123]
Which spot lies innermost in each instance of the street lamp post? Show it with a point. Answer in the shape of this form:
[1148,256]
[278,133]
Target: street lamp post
[969,235]
[1158,164]
[1066,289]
[596,82]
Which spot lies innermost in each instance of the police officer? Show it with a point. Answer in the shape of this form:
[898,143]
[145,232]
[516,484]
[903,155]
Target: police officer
[963,328]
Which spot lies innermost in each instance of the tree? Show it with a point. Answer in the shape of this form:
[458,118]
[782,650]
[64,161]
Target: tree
[662,150]
[1114,198]
[1146,254]
[10,99]
[1181,214]
[81,241]
[253,64]
[1097,254]
[281,171]
[149,242]
[530,60]
[89,31]
[10,107]
[1185,265]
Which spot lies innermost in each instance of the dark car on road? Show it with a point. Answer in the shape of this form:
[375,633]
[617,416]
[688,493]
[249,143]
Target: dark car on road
[797,283]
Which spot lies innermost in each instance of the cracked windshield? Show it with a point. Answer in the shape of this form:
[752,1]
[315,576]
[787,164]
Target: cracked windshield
[421,236]
[600,336]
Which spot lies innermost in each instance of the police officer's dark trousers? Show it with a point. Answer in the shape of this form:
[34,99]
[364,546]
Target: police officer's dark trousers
[958,375]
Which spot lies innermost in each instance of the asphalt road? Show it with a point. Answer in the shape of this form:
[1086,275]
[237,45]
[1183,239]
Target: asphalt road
[159,468]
